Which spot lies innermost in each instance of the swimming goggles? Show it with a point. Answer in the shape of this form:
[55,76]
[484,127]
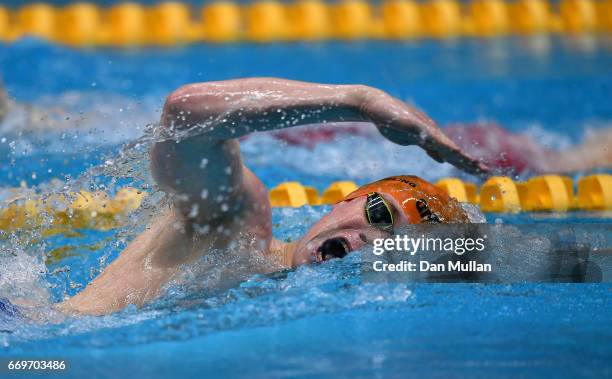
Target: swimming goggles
[415,199]
[378,212]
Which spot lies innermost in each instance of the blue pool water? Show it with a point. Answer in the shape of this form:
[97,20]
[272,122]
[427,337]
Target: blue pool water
[315,321]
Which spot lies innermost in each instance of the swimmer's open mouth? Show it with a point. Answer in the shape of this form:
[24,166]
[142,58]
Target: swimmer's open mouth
[337,247]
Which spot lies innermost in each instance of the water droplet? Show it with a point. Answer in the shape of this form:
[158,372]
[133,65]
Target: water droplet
[193,213]
[202,229]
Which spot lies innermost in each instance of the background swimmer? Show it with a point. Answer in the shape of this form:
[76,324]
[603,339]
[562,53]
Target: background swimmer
[516,153]
[500,149]
[219,204]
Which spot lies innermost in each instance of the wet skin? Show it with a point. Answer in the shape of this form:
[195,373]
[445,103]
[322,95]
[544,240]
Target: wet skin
[217,203]
[346,221]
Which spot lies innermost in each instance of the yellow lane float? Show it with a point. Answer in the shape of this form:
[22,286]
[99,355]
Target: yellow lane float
[36,19]
[221,22]
[4,24]
[309,20]
[530,16]
[499,194]
[266,21]
[462,191]
[169,23]
[288,194]
[82,209]
[595,192]
[441,18]
[98,210]
[604,15]
[337,191]
[401,19]
[489,17]
[548,193]
[78,24]
[352,19]
[578,16]
[125,25]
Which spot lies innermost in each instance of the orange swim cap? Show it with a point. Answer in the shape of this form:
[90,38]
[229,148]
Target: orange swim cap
[420,200]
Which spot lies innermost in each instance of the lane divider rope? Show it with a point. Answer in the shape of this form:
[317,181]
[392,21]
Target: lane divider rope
[98,210]
[497,194]
[169,23]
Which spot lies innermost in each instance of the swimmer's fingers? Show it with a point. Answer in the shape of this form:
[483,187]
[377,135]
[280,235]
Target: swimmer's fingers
[405,125]
[437,145]
[444,150]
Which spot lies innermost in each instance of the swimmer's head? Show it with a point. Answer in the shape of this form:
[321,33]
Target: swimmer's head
[416,200]
[374,211]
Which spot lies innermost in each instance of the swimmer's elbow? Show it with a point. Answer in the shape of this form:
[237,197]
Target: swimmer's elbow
[199,96]
[179,96]
[189,105]
[175,105]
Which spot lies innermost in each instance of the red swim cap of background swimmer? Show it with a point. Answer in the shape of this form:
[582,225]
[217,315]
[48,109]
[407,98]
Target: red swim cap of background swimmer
[420,200]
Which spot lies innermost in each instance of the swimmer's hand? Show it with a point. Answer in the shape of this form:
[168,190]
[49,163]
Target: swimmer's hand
[405,125]
[437,145]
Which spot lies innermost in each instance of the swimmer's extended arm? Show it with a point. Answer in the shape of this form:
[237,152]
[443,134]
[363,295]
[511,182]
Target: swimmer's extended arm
[205,167]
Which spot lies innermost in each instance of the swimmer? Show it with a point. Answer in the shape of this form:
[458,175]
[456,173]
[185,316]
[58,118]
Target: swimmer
[502,151]
[218,203]
[516,153]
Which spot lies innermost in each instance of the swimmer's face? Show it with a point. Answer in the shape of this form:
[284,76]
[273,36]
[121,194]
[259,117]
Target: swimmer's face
[343,230]
[372,212]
